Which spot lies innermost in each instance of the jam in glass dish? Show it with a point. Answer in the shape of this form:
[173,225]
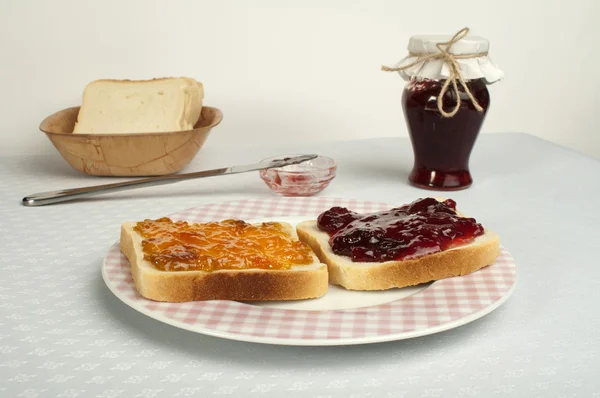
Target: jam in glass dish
[303,179]
[425,226]
[442,145]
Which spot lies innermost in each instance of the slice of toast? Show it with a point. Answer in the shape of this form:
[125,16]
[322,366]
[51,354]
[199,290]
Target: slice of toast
[140,106]
[460,260]
[298,282]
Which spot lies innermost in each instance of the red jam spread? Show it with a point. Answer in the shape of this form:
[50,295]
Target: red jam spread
[229,244]
[425,226]
[442,145]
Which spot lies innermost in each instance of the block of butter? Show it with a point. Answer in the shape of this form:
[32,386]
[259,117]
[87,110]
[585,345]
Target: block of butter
[140,106]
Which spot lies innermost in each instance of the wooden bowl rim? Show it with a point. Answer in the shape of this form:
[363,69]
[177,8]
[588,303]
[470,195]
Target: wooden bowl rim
[218,117]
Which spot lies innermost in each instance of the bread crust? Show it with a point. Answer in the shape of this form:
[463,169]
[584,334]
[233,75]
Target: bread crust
[393,274]
[240,285]
[156,79]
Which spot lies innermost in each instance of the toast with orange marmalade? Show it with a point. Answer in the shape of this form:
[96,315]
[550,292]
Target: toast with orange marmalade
[177,261]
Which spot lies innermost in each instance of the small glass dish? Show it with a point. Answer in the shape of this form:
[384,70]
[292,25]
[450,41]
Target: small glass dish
[304,179]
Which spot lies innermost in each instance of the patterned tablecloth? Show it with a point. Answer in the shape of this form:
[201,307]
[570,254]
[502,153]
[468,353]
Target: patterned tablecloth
[64,334]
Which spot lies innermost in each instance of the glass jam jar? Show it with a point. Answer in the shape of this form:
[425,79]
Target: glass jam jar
[445,102]
[442,145]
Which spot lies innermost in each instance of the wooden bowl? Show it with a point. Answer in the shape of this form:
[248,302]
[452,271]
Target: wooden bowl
[142,154]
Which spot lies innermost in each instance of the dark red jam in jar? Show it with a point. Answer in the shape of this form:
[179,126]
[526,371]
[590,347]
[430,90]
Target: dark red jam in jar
[445,103]
[442,145]
[425,226]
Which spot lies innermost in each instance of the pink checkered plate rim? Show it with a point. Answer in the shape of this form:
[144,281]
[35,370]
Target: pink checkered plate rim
[439,306]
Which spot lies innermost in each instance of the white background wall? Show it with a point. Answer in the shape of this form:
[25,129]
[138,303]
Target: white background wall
[299,70]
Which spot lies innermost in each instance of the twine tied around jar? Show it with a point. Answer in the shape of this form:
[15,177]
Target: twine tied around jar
[454,67]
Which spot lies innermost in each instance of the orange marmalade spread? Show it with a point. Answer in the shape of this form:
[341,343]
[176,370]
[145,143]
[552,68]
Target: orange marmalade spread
[229,244]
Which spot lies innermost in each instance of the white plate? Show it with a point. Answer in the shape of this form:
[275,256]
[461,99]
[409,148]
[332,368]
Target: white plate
[340,317]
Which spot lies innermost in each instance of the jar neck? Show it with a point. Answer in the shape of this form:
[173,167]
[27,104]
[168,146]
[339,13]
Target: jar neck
[425,84]
[426,79]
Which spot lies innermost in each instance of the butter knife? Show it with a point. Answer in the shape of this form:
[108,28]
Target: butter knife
[47,198]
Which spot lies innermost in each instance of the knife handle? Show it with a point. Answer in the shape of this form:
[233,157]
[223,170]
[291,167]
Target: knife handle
[64,195]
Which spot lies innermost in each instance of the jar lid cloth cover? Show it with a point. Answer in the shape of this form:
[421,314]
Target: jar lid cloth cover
[428,58]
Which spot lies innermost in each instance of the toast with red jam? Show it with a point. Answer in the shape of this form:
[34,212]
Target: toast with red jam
[420,242]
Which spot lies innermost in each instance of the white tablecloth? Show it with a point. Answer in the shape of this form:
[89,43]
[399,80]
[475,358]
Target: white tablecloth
[63,334]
